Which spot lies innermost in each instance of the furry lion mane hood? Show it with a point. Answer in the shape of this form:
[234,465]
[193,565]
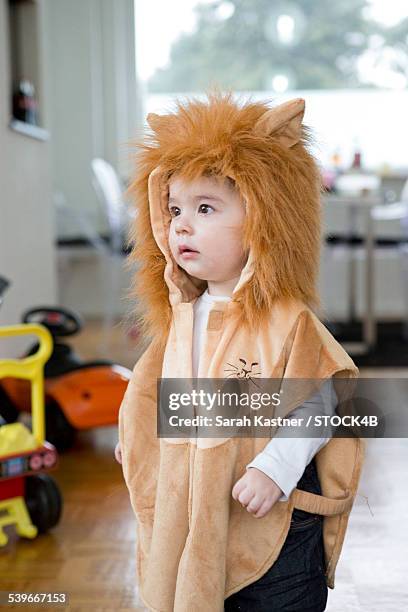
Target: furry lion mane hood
[265,150]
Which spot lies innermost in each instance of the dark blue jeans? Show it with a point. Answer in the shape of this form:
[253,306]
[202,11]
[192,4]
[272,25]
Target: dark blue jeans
[296,581]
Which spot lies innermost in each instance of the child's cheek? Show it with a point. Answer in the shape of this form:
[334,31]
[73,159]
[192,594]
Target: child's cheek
[172,242]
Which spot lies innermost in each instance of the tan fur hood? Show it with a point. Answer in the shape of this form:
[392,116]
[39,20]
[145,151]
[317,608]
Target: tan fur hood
[265,150]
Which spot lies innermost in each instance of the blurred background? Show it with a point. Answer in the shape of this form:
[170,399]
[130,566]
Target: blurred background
[77,79]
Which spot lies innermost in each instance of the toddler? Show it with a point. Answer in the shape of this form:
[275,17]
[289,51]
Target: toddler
[227,241]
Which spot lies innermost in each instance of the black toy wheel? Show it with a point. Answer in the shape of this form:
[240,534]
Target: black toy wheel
[44,501]
[8,411]
[59,321]
[58,430]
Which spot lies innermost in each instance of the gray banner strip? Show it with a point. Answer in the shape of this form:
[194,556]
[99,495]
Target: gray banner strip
[337,407]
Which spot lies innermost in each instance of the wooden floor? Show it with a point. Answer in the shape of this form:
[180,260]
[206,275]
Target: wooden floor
[90,555]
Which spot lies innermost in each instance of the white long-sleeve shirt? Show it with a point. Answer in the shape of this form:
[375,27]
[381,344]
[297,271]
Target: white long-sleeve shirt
[285,457]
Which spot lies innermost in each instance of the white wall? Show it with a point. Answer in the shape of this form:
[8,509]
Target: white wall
[89,104]
[92,85]
[95,111]
[27,254]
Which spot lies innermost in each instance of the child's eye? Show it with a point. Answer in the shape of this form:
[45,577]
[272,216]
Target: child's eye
[174,211]
[205,208]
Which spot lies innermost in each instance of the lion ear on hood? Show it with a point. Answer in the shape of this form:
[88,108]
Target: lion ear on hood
[157,121]
[283,122]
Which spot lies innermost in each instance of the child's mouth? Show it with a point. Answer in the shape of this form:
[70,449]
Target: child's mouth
[187,253]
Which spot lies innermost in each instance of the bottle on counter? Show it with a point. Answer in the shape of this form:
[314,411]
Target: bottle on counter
[356,164]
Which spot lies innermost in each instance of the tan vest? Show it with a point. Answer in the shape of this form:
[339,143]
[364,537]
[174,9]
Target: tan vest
[195,544]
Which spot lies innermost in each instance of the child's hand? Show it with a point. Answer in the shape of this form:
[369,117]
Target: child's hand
[256,491]
[118,453]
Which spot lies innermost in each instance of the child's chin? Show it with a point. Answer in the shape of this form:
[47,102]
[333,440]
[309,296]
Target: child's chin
[194,269]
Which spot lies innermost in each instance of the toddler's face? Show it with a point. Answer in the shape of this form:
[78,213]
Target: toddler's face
[206,228]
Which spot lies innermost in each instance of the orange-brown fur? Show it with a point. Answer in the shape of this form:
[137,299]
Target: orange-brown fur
[282,186]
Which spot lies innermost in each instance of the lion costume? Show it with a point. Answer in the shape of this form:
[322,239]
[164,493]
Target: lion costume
[195,544]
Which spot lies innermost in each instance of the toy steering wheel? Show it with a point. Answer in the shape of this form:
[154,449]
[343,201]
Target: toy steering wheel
[59,321]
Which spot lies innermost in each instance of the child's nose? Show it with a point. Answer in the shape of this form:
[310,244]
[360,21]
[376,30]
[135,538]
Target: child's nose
[183,224]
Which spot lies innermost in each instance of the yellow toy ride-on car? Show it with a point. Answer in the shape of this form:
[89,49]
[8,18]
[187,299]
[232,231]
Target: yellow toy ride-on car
[29,498]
